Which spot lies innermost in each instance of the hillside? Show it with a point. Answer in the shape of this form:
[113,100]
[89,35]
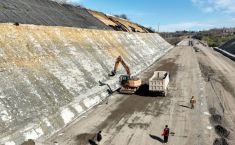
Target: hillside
[48,13]
[119,24]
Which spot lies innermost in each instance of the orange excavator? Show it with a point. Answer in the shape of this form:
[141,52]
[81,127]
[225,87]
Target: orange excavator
[129,83]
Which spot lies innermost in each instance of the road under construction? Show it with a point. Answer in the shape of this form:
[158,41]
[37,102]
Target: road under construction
[55,88]
[140,118]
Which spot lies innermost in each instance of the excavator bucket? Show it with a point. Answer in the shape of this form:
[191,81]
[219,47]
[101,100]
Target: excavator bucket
[112,74]
[120,60]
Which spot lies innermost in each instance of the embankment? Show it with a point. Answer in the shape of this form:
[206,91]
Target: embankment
[229,46]
[48,13]
[225,53]
[49,75]
[227,49]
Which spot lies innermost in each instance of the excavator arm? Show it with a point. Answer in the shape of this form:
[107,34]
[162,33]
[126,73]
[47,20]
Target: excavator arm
[120,60]
[129,84]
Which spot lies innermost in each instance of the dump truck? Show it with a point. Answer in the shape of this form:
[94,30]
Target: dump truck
[158,83]
[129,84]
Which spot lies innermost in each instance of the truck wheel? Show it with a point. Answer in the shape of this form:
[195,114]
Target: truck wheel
[135,89]
[164,94]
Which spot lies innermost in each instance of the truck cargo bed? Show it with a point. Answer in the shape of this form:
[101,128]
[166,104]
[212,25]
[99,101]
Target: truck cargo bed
[159,82]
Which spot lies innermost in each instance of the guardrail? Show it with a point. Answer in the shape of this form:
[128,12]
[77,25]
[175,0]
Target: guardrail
[225,53]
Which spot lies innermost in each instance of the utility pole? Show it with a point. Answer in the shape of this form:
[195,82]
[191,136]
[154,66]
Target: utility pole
[158,28]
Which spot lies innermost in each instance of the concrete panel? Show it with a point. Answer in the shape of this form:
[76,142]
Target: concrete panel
[49,75]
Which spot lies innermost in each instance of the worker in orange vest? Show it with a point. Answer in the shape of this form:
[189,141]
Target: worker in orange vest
[192,102]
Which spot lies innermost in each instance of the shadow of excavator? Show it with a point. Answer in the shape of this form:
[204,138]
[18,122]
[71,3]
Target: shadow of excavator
[109,90]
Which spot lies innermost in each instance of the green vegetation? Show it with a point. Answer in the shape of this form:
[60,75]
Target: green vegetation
[175,37]
[214,38]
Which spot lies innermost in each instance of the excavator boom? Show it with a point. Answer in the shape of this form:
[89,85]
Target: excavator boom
[120,60]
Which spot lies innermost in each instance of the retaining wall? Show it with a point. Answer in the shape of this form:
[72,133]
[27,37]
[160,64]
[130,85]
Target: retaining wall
[49,75]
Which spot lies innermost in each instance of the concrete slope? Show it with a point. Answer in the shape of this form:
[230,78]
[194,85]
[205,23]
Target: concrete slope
[49,75]
[46,12]
[229,46]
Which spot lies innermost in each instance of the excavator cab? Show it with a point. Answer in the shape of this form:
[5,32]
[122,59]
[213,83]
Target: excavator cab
[129,84]
[123,79]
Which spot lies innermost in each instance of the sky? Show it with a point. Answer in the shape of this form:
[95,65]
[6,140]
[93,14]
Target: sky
[170,15]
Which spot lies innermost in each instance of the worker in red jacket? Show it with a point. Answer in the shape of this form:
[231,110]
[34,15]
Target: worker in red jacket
[166,133]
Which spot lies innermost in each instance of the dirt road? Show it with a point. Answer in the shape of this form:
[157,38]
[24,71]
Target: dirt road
[140,119]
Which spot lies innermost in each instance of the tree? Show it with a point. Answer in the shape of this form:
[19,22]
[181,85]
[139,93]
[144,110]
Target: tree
[123,16]
[151,30]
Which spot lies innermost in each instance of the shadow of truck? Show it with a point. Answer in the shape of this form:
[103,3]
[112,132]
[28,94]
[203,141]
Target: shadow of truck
[144,91]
